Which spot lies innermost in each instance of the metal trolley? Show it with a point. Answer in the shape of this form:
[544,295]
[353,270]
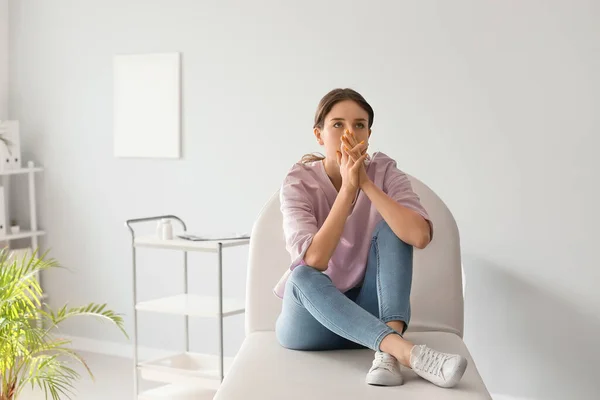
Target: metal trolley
[185,372]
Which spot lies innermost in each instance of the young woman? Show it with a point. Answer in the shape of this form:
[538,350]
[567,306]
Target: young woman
[350,223]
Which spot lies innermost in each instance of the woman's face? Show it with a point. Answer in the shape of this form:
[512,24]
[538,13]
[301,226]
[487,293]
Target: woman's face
[345,115]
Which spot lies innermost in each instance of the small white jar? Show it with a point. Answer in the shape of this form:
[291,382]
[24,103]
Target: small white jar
[164,230]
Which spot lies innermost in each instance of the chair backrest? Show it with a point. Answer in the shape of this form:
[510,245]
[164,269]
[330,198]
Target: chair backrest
[436,297]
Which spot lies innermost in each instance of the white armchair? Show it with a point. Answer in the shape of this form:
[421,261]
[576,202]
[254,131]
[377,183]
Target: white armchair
[265,370]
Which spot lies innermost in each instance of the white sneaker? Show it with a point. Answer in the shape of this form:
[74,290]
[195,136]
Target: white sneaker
[441,369]
[385,371]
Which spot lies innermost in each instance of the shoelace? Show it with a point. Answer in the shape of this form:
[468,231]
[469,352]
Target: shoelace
[385,361]
[431,361]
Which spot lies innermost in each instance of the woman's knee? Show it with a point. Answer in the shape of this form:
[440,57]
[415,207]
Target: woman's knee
[383,230]
[302,274]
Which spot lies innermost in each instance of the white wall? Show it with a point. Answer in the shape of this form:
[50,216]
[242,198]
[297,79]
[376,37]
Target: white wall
[493,104]
[3,59]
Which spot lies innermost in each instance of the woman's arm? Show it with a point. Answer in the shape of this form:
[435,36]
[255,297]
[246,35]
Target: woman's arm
[407,224]
[327,238]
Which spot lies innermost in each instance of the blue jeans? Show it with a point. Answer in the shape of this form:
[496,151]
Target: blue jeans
[316,315]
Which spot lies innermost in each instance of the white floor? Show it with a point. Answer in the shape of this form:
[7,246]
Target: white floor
[114,380]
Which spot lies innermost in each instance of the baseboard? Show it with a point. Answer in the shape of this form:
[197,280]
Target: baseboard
[115,349]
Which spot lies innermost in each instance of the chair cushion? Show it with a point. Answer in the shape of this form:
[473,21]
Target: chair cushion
[264,370]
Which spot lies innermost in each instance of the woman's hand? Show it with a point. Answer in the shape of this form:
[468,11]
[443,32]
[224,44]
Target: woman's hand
[350,140]
[351,164]
[356,151]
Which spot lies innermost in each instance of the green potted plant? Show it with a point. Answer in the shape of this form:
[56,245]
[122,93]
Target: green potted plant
[31,350]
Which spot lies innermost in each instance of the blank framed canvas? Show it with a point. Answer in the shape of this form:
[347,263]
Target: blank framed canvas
[147,105]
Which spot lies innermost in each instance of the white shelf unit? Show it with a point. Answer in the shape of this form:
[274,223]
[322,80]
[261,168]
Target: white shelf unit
[22,235]
[188,375]
[33,233]
[20,171]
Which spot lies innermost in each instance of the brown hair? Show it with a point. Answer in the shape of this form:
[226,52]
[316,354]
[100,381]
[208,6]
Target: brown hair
[325,106]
